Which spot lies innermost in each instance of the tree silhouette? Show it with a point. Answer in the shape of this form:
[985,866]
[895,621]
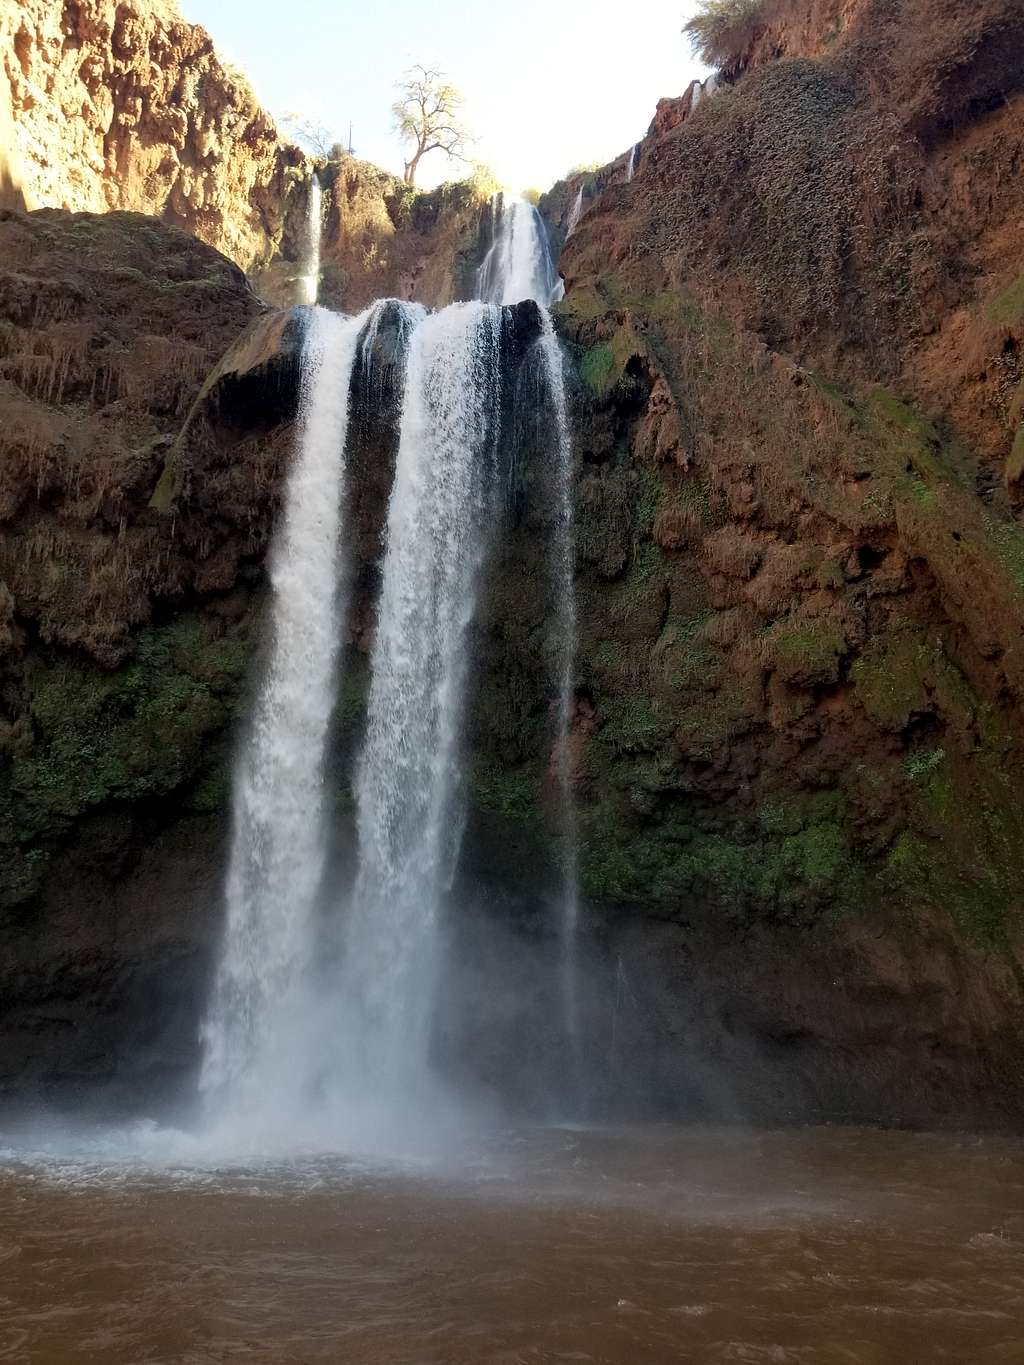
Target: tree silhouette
[427,115]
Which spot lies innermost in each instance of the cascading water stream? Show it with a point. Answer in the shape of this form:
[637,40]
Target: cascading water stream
[409,819]
[253,1033]
[631,162]
[575,214]
[294,1027]
[311,260]
[564,575]
[518,264]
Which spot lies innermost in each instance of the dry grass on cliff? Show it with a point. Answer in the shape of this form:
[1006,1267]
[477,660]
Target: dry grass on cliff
[722,32]
[775,189]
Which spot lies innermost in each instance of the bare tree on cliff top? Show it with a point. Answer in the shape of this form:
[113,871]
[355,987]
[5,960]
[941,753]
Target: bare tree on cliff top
[427,115]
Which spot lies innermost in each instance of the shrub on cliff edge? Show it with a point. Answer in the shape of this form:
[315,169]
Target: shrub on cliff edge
[722,31]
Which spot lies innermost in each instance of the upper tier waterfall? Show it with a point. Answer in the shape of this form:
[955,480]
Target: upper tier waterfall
[518,263]
[311,254]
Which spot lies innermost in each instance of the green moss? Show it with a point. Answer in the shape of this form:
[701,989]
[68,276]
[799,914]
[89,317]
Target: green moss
[646,562]
[685,656]
[598,369]
[1008,542]
[630,725]
[923,763]
[650,495]
[142,731]
[513,793]
[1008,307]
[797,864]
[889,678]
[806,651]
[706,726]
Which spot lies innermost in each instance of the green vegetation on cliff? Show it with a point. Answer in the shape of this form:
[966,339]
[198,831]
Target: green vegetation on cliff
[153,728]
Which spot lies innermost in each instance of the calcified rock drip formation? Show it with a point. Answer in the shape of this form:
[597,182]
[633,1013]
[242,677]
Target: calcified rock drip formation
[254,1033]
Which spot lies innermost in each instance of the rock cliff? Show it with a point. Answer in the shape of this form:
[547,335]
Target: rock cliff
[125,106]
[798,734]
[122,105]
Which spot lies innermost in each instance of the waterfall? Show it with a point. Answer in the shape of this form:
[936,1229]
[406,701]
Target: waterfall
[518,264]
[703,91]
[575,214]
[327,1016]
[311,260]
[564,576]
[631,163]
[409,816]
[253,1048]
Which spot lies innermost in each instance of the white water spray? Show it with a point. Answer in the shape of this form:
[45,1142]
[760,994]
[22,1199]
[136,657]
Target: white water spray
[631,162]
[310,280]
[409,818]
[575,214]
[564,575]
[253,1032]
[518,264]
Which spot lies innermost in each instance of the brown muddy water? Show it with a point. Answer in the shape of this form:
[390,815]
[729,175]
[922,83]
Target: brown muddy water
[817,1246]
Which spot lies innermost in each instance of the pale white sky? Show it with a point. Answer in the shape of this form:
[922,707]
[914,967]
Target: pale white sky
[548,83]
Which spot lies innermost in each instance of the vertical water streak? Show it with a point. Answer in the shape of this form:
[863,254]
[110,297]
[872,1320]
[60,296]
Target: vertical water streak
[575,214]
[564,580]
[518,264]
[510,274]
[253,1048]
[409,818]
[631,162]
[311,260]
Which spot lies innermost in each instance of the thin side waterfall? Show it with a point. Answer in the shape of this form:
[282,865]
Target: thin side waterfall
[564,575]
[516,269]
[311,260]
[409,811]
[631,162]
[253,1050]
[518,264]
[575,214]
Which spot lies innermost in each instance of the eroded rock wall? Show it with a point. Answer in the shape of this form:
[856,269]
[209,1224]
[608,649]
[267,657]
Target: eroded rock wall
[121,104]
[797,739]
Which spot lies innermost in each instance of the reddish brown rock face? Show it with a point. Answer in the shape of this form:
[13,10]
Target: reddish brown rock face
[126,106]
[798,739]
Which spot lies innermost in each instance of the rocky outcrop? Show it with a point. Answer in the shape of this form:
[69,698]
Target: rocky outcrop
[801,600]
[798,732]
[121,104]
[379,239]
